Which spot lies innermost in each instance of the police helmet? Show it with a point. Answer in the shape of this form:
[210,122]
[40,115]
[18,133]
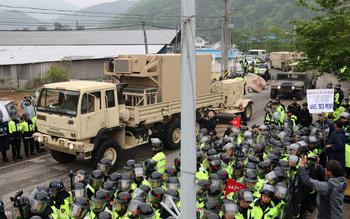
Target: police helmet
[268,189]
[312,139]
[123,197]
[79,208]
[245,195]
[80,176]
[239,155]
[39,202]
[56,186]
[250,176]
[114,177]
[225,158]
[214,165]
[157,145]
[253,159]
[202,187]
[99,201]
[156,179]
[251,166]
[156,195]
[214,191]
[129,165]
[211,206]
[145,211]
[104,165]
[281,191]
[229,208]
[104,215]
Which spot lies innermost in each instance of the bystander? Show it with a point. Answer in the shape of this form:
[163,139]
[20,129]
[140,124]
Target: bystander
[330,193]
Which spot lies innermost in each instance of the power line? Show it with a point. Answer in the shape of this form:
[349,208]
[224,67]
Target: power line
[65,11]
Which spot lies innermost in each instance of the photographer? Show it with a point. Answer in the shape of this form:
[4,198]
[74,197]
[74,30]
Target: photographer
[330,193]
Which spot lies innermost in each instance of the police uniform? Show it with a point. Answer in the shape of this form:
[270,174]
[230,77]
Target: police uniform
[160,158]
[257,212]
[27,129]
[14,128]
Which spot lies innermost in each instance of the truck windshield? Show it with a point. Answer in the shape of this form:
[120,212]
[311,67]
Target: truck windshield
[59,101]
[291,77]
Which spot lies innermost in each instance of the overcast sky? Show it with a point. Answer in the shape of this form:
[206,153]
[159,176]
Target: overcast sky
[86,3]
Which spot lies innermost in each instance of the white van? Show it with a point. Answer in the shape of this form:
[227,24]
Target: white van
[261,53]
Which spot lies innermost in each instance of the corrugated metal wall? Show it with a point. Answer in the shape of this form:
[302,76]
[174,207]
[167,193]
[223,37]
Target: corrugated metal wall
[30,75]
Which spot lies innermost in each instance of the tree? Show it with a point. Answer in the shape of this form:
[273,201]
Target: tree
[55,74]
[325,38]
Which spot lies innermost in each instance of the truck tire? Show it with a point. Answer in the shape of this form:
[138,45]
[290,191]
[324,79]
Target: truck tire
[299,95]
[273,94]
[248,111]
[109,149]
[62,157]
[172,135]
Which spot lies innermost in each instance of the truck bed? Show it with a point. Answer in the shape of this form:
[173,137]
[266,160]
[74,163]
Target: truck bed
[157,112]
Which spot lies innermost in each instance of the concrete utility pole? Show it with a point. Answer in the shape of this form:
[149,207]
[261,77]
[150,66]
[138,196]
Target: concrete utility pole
[188,110]
[145,36]
[225,39]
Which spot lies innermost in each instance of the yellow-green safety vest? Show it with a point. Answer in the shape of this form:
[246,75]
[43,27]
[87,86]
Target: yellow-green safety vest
[160,158]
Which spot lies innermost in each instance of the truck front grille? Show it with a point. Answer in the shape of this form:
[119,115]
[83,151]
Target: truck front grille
[54,133]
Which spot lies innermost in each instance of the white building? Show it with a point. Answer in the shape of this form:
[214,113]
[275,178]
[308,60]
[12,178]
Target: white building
[200,42]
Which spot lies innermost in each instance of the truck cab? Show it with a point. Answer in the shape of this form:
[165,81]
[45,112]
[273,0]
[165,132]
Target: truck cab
[76,110]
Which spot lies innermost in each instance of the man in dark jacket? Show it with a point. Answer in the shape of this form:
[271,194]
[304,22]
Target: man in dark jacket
[305,118]
[330,193]
[336,144]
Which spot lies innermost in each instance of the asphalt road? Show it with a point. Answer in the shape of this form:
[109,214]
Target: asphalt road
[27,174]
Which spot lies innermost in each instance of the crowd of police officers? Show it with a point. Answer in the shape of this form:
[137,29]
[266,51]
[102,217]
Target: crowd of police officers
[264,159]
[19,129]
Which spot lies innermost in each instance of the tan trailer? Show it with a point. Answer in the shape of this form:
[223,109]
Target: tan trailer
[98,119]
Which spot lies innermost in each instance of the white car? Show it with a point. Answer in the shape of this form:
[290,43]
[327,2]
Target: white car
[7,108]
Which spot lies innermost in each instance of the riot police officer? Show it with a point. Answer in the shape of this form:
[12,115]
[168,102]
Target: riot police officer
[159,156]
[15,137]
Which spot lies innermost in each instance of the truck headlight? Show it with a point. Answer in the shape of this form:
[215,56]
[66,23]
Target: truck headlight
[279,87]
[40,139]
[293,88]
[71,146]
[61,143]
[45,140]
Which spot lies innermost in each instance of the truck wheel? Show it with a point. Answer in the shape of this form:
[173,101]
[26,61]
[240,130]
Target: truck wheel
[299,95]
[109,149]
[62,157]
[172,135]
[248,112]
[273,94]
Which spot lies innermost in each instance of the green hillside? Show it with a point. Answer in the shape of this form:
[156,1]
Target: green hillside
[249,16]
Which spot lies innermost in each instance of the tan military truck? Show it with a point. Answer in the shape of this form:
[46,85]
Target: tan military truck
[284,60]
[97,119]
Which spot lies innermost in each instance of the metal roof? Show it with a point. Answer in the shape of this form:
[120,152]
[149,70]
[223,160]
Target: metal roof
[12,55]
[64,38]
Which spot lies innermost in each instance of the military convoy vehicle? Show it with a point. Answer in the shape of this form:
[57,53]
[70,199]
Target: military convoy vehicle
[292,84]
[101,120]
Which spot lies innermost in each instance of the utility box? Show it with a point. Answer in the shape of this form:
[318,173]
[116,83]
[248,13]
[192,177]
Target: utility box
[161,72]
